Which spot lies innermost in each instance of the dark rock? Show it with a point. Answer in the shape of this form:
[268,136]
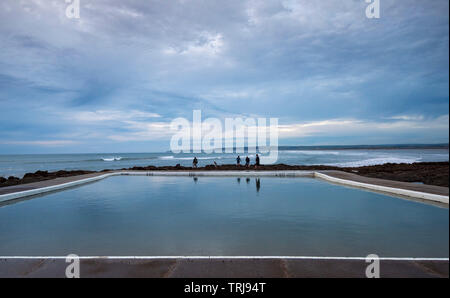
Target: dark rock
[432,173]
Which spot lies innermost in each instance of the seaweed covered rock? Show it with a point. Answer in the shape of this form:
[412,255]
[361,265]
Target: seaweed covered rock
[432,173]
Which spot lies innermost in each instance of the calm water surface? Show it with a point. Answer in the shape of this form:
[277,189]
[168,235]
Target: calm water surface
[221,216]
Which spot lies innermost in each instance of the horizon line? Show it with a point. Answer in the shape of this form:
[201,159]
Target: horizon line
[283,148]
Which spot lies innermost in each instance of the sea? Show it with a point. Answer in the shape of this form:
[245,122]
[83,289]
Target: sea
[18,165]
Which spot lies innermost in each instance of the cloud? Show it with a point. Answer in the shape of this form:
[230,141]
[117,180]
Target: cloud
[144,131]
[45,143]
[111,115]
[355,127]
[206,45]
[407,117]
[139,131]
[311,63]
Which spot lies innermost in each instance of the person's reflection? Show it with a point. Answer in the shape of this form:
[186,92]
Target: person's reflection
[258,184]
[195,179]
[239,180]
[247,180]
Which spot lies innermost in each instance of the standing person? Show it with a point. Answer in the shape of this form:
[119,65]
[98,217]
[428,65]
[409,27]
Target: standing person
[194,162]
[257,160]
[238,161]
[247,161]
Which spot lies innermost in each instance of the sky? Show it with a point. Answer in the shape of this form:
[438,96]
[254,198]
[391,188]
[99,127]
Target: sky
[114,79]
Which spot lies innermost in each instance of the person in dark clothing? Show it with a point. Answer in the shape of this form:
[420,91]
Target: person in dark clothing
[247,161]
[257,160]
[238,161]
[194,162]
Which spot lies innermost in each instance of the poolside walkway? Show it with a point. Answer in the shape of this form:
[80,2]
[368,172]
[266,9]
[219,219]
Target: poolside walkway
[437,190]
[46,183]
[221,268]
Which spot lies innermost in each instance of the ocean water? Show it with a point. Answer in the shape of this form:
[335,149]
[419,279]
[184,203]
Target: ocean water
[153,216]
[18,165]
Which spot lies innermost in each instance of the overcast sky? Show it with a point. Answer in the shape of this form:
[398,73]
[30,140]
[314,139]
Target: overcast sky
[113,80]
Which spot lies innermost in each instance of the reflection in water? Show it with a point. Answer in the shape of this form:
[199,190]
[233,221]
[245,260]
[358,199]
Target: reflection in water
[247,180]
[258,184]
[123,215]
[239,180]
[195,179]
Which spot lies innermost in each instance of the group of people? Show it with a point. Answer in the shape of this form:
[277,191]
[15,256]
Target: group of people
[247,161]
[238,161]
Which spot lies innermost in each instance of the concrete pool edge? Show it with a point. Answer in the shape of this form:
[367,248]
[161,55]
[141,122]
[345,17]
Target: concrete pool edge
[386,189]
[221,267]
[295,173]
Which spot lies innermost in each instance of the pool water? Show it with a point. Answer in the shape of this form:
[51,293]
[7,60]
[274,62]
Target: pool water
[218,216]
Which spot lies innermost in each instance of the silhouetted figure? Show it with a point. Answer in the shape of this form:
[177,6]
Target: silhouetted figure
[239,180]
[247,180]
[257,161]
[238,161]
[195,162]
[195,179]
[247,161]
[258,184]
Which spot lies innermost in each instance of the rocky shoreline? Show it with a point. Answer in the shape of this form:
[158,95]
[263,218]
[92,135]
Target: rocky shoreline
[430,173]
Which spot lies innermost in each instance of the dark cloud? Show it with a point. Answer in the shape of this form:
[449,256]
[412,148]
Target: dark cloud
[297,60]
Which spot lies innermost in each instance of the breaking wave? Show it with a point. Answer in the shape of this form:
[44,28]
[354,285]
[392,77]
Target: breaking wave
[111,158]
[375,161]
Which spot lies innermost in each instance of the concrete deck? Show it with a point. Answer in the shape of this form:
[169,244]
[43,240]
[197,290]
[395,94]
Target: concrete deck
[432,189]
[45,183]
[221,268]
